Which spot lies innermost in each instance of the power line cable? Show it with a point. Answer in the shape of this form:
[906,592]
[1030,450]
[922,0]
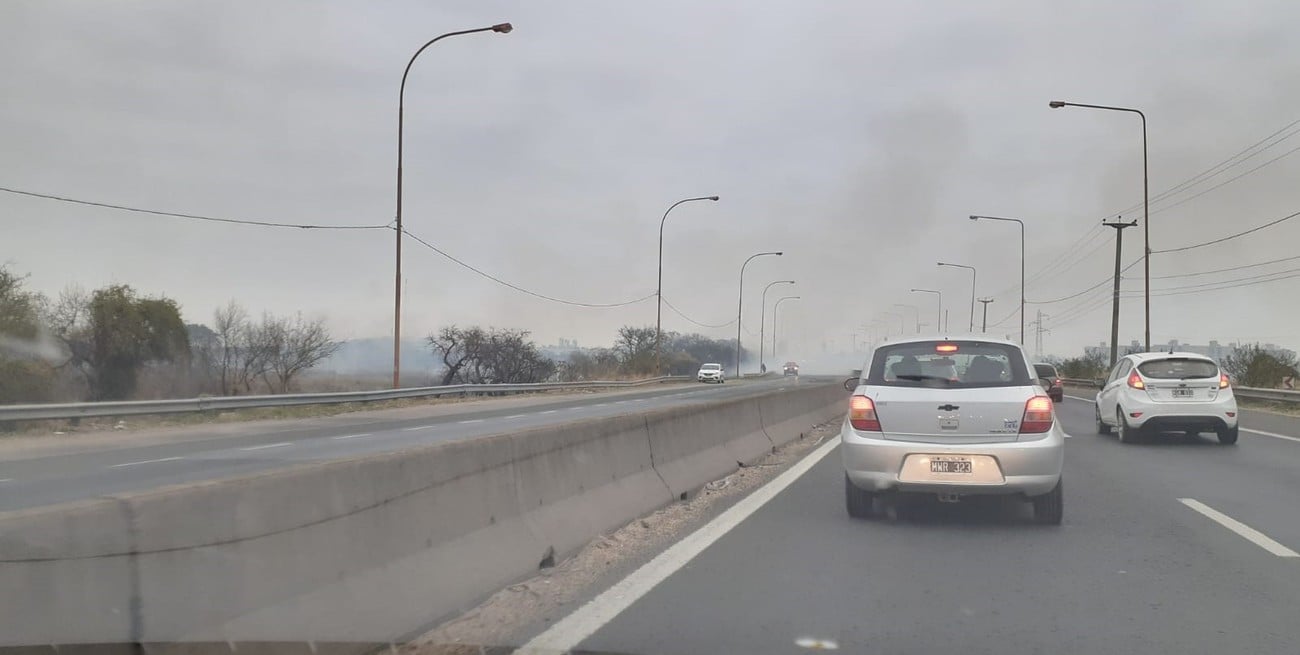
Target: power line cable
[194,217]
[703,325]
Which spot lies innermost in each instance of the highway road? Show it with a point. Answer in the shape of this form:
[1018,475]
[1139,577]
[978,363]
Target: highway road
[1170,546]
[69,469]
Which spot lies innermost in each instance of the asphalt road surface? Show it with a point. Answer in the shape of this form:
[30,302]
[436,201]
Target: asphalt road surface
[76,468]
[1175,545]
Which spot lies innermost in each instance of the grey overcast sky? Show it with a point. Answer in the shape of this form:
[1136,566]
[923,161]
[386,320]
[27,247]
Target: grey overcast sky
[855,136]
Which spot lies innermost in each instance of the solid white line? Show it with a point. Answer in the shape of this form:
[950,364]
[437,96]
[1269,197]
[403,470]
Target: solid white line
[418,427]
[1086,400]
[600,404]
[1250,534]
[282,444]
[1270,434]
[550,411]
[146,461]
[568,632]
[351,436]
[473,420]
[517,416]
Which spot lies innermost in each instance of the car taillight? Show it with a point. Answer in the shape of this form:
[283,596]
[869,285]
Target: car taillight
[1135,381]
[1056,382]
[1038,415]
[862,414]
[1223,380]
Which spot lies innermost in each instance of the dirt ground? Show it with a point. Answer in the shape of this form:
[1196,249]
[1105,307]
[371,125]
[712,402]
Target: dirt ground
[502,619]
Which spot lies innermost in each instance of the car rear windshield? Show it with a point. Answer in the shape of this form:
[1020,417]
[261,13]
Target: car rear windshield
[1179,368]
[1045,370]
[948,364]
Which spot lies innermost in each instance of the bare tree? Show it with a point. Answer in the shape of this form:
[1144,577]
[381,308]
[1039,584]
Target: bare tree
[635,348]
[477,356]
[457,347]
[229,323]
[295,345]
[253,354]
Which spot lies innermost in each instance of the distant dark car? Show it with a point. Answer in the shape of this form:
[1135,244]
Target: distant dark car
[791,368]
[1053,385]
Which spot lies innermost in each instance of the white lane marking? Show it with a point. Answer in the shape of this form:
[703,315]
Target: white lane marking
[1270,434]
[1086,400]
[600,404]
[418,427]
[351,436]
[6,479]
[550,411]
[1259,432]
[568,632]
[1245,531]
[473,420]
[282,444]
[517,416]
[146,461]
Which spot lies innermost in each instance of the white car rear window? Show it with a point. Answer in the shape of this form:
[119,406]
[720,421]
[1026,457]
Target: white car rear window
[1179,368]
[951,364]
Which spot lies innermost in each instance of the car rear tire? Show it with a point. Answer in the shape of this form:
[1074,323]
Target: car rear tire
[1228,436]
[857,501]
[1049,508]
[1127,434]
[1102,427]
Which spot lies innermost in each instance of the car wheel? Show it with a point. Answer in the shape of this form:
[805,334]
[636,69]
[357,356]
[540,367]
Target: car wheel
[1228,436]
[857,501]
[1102,427]
[1127,434]
[1049,508]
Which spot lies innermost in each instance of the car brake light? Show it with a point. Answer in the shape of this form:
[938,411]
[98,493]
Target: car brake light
[946,348]
[1056,382]
[862,414]
[1135,381]
[1223,380]
[1038,415]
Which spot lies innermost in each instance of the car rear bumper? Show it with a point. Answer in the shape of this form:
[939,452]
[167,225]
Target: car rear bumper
[1214,415]
[1029,468]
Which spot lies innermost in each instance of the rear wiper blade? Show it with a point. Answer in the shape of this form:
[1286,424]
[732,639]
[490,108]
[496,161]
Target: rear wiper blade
[918,378]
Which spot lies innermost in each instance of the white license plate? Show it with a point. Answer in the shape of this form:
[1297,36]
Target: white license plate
[1182,393]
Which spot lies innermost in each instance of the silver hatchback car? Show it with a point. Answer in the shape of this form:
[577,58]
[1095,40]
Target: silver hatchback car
[952,417]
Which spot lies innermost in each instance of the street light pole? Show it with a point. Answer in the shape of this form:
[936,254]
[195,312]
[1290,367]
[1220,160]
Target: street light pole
[762,323]
[501,28]
[1022,265]
[740,304]
[1146,201]
[984,327]
[938,316]
[775,306]
[916,310]
[659,287]
[971,326]
[901,329]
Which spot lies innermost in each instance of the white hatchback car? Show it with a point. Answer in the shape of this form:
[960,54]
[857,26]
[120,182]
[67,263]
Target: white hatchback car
[952,417]
[1170,391]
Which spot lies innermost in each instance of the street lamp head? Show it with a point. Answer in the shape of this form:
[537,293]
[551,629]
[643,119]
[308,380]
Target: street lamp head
[503,28]
[778,254]
[1056,104]
[713,198]
[974,217]
[940,264]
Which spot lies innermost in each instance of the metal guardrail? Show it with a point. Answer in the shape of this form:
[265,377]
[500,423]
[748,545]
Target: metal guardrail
[1249,393]
[209,403]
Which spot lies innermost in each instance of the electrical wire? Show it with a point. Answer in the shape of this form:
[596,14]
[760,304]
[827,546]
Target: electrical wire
[518,288]
[193,217]
[1229,237]
[691,320]
[1225,270]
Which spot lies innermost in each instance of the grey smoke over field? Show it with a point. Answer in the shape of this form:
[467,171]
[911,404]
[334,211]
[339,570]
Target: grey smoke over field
[856,137]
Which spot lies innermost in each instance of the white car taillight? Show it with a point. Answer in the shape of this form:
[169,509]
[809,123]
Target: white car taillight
[1038,415]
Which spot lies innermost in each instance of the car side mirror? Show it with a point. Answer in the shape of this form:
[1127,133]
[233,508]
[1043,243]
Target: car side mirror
[850,384]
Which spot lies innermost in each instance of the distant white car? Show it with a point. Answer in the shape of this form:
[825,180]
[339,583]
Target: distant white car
[711,373]
[1183,392]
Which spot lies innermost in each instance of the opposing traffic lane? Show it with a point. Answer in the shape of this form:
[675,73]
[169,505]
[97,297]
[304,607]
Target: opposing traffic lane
[1131,570]
[85,473]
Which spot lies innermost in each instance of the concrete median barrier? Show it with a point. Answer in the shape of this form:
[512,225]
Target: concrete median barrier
[370,549]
